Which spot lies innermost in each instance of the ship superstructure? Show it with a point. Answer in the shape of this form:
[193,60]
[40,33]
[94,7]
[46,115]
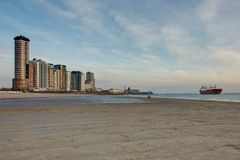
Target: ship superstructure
[210,90]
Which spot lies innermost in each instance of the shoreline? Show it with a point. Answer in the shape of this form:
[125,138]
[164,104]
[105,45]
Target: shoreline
[191,99]
[16,96]
[7,96]
[205,100]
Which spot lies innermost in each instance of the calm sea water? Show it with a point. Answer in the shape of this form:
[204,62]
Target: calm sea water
[232,97]
[68,101]
[71,101]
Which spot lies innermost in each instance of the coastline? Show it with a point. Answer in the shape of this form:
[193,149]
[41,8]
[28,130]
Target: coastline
[7,96]
[196,97]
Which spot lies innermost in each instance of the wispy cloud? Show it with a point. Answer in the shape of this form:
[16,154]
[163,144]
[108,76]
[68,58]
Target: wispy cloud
[229,59]
[219,18]
[144,33]
[209,9]
[55,9]
[178,41]
[82,15]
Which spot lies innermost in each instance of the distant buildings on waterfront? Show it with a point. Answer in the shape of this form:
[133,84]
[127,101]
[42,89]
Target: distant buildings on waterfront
[38,75]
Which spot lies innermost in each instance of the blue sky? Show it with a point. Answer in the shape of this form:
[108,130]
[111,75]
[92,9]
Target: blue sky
[159,45]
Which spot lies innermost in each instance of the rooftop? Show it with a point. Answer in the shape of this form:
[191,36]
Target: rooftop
[21,38]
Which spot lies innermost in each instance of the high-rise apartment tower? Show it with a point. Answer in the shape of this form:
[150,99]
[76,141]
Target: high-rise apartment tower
[21,49]
[90,82]
[60,77]
[77,81]
[50,76]
[38,75]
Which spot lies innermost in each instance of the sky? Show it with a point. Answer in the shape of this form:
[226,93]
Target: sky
[167,46]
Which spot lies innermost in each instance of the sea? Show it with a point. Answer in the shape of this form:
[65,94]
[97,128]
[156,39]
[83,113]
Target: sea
[68,101]
[225,97]
[77,100]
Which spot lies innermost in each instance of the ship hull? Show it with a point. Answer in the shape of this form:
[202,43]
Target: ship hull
[211,91]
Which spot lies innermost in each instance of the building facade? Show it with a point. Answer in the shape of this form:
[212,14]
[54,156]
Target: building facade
[21,76]
[43,75]
[60,77]
[116,91]
[77,81]
[31,79]
[90,82]
[38,75]
[89,86]
[50,76]
[82,82]
[68,87]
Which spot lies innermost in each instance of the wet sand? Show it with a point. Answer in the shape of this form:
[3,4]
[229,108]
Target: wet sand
[158,129]
[12,95]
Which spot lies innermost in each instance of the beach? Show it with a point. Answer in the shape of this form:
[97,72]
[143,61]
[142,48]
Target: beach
[155,129]
[14,95]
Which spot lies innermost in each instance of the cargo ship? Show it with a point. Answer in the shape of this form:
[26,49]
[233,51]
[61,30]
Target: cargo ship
[210,90]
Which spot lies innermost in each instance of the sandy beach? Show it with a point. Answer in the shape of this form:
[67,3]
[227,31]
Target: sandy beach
[12,95]
[157,129]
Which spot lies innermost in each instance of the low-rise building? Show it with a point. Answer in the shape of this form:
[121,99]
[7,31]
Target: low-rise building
[116,91]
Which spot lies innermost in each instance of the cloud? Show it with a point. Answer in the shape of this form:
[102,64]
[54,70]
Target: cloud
[55,9]
[13,22]
[180,43]
[144,33]
[219,19]
[173,37]
[82,15]
[229,59]
[209,9]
